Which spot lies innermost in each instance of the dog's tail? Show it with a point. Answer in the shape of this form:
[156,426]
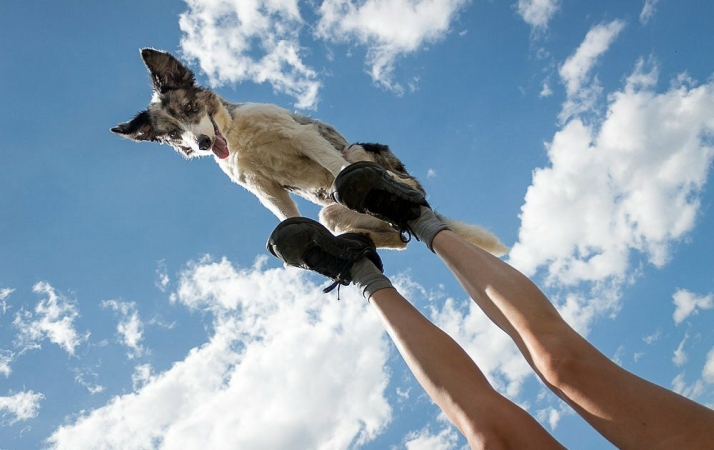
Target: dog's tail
[478,236]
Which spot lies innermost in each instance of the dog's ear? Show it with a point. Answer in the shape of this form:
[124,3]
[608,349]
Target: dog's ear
[138,129]
[166,71]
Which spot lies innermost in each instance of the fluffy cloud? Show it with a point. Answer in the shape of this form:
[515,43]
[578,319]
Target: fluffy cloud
[648,11]
[629,183]
[235,41]
[281,356]
[130,327]
[21,406]
[373,23]
[537,13]
[53,319]
[626,182]
[260,41]
[575,71]
[687,303]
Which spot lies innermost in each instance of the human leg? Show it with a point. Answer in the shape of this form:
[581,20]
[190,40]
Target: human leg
[442,367]
[625,409]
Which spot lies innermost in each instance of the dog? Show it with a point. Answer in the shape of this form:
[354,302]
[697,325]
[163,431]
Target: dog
[269,151]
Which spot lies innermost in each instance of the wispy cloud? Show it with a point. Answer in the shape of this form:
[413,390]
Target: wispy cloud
[6,357]
[701,388]
[53,318]
[687,303]
[281,353]
[19,407]
[372,24]
[537,13]
[4,294]
[575,72]
[648,11]
[130,328]
[425,439]
[680,357]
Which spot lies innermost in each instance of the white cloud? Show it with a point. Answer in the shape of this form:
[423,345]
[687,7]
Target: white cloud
[162,276]
[89,380]
[423,439]
[575,71]
[53,319]
[537,13]
[19,407]
[680,357]
[687,303]
[6,358]
[631,183]
[260,40]
[648,11]
[708,371]
[430,174]
[130,328]
[281,356]
[552,415]
[654,337]
[236,40]
[388,28]
[546,91]
[701,387]
[4,294]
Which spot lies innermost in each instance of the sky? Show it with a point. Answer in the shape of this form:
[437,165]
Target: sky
[140,309]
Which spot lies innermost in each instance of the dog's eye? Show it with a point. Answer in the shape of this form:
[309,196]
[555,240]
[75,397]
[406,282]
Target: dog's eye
[190,107]
[175,135]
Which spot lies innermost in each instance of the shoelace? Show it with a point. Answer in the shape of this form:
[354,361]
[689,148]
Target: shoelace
[324,266]
[378,203]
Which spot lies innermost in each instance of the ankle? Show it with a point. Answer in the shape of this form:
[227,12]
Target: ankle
[368,278]
[427,226]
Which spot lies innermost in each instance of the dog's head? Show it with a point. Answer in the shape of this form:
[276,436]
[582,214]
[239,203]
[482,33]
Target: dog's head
[181,113]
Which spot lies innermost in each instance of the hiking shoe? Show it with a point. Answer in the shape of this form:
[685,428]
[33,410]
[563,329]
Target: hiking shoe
[305,243]
[366,187]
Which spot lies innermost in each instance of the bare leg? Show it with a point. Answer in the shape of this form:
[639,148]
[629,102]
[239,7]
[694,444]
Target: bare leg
[454,382]
[628,411]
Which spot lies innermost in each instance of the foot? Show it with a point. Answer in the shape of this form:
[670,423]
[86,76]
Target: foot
[304,243]
[366,187]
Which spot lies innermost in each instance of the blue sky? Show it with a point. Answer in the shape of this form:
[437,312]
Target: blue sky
[139,308]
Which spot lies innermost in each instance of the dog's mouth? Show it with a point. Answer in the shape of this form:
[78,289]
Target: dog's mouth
[220,146]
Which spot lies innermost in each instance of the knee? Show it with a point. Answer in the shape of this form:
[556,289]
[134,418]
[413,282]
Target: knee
[562,359]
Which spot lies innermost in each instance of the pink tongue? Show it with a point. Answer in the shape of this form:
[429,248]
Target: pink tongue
[220,147]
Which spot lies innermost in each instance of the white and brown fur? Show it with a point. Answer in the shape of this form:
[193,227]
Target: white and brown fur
[268,150]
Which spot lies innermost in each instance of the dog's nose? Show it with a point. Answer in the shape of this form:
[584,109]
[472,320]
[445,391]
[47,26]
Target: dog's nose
[204,142]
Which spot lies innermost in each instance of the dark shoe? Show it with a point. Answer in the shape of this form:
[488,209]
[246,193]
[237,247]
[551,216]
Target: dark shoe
[366,187]
[302,242]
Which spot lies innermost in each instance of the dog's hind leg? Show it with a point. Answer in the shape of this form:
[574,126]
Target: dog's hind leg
[340,219]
